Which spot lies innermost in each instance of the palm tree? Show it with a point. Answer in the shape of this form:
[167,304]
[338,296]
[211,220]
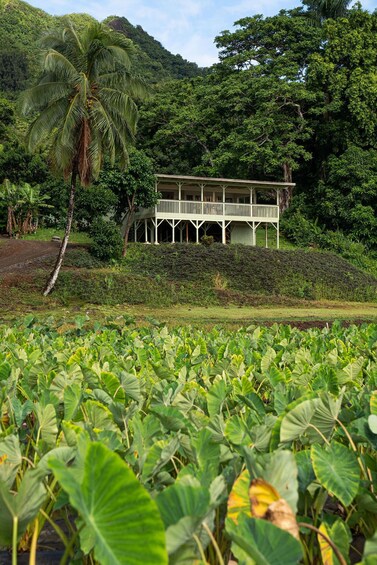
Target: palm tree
[85,105]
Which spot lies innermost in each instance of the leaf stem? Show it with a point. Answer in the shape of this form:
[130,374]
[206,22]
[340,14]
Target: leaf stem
[200,547]
[339,556]
[33,547]
[14,540]
[214,543]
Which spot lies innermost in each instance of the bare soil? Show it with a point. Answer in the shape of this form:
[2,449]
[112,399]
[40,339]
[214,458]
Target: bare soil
[19,255]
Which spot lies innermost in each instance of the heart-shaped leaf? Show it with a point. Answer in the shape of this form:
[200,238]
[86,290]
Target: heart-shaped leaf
[121,520]
[337,470]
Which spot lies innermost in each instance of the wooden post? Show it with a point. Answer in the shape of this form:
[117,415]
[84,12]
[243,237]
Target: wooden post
[277,236]
[187,232]
[197,231]
[173,231]
[146,230]
[223,232]
[156,232]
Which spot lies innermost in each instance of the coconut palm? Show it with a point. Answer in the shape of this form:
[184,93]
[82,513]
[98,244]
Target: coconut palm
[85,105]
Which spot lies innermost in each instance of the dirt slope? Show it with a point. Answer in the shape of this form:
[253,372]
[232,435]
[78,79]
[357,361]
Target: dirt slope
[17,254]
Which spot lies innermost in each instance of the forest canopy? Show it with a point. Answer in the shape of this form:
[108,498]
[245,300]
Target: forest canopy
[293,97]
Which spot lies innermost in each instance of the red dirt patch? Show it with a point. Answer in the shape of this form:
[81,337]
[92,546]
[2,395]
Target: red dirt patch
[16,252]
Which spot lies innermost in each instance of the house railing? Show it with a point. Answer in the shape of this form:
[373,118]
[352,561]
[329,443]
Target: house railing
[217,208]
[225,209]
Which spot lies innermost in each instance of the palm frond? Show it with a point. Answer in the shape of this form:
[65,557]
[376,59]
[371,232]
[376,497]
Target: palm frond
[45,123]
[42,96]
[60,66]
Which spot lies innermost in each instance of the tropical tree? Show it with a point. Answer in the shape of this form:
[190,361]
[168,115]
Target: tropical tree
[31,201]
[10,197]
[324,9]
[85,105]
[134,188]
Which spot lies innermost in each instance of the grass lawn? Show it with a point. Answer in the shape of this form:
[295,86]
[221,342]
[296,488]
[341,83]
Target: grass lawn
[45,234]
[236,316]
[232,317]
[271,239]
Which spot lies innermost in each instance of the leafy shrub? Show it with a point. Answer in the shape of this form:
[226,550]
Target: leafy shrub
[207,240]
[301,231]
[82,259]
[304,233]
[107,240]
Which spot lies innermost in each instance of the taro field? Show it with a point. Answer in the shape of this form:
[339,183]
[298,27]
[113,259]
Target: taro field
[147,445]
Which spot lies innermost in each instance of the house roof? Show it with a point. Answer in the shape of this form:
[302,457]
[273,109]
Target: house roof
[228,182]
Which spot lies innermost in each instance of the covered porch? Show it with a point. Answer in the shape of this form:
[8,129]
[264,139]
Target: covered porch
[229,209]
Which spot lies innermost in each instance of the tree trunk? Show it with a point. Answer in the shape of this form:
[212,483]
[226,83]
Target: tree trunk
[129,219]
[59,260]
[286,194]
[10,222]
[127,233]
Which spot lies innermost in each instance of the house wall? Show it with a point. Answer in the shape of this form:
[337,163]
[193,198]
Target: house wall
[241,233]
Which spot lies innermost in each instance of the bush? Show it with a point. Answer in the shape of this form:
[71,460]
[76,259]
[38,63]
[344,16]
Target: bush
[304,233]
[301,231]
[207,240]
[107,240]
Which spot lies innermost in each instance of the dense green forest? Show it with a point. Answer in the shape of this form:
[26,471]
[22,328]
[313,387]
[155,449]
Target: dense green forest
[292,98]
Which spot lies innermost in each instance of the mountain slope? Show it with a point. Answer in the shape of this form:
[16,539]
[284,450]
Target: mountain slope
[22,25]
[158,59]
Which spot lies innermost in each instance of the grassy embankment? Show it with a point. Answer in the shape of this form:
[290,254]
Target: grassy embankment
[196,284]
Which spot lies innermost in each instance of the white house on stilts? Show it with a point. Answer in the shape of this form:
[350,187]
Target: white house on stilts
[231,210]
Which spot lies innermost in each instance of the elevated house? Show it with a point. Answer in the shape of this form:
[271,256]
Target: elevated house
[229,209]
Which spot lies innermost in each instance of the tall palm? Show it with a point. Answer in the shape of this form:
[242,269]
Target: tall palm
[85,105]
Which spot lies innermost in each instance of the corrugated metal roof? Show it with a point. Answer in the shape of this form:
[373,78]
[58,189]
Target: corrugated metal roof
[228,182]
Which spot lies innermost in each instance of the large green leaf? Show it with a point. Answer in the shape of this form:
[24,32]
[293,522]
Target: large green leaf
[370,551]
[314,418]
[120,518]
[10,459]
[184,507]
[263,542]
[337,469]
[48,428]
[23,506]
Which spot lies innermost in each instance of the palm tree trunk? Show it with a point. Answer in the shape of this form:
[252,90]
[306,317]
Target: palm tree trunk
[59,260]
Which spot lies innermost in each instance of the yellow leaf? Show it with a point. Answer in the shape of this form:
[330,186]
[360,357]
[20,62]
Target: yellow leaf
[281,515]
[238,500]
[3,458]
[373,402]
[326,551]
[261,495]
